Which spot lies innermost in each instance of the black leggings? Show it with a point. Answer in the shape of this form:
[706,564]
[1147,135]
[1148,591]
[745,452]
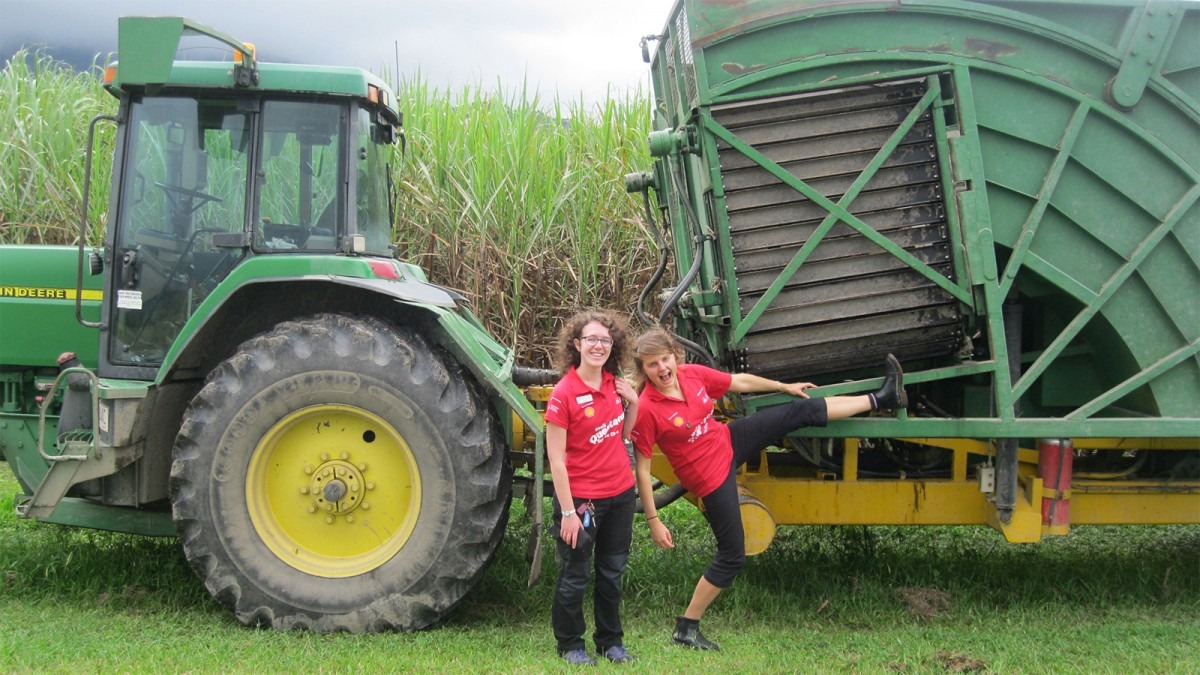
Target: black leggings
[749,436]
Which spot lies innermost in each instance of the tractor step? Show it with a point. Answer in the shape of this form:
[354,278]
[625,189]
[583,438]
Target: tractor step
[79,453]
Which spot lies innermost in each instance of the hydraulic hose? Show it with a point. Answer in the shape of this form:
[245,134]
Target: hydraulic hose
[662,264]
[524,377]
[688,278]
[663,498]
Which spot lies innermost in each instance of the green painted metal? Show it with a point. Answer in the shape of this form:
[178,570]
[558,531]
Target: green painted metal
[85,513]
[37,306]
[148,46]
[1064,153]
[147,50]
[277,269]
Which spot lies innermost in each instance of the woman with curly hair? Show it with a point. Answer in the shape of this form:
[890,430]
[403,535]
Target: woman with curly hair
[588,418]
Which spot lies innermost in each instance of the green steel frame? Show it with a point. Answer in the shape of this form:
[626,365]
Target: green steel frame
[1085,116]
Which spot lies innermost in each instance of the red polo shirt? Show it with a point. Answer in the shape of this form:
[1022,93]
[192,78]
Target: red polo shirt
[696,445]
[597,463]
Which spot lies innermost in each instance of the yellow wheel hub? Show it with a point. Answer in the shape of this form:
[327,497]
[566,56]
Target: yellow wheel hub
[333,490]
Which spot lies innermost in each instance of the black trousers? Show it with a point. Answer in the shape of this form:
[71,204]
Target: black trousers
[750,435]
[610,549]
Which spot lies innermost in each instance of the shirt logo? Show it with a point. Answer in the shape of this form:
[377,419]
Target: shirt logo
[677,420]
[609,429]
[589,412]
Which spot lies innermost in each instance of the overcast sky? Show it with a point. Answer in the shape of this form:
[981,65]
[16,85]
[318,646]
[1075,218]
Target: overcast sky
[571,47]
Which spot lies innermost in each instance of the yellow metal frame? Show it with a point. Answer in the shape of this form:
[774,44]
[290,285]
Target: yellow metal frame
[820,499]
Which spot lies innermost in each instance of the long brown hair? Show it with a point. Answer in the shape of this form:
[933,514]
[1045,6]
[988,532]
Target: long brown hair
[653,342]
[618,329]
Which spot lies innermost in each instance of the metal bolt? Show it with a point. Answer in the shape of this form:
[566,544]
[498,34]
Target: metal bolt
[303,489]
[334,491]
[364,506]
[345,455]
[312,508]
[370,485]
[324,456]
[362,466]
[349,518]
[308,469]
[328,520]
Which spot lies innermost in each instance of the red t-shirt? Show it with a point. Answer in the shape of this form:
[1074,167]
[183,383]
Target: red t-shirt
[597,464]
[696,445]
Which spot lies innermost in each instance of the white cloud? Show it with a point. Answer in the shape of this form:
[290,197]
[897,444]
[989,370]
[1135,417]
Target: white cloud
[565,45]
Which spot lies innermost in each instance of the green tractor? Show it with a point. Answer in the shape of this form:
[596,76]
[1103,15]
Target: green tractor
[247,366]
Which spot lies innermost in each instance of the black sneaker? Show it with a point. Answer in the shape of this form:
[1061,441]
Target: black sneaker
[617,654]
[578,657]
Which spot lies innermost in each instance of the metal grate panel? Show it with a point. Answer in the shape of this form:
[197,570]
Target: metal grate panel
[851,301]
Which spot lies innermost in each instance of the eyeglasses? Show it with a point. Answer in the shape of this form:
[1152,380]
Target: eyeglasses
[592,341]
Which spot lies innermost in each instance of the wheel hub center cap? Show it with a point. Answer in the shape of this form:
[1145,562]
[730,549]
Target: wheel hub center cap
[335,490]
[337,487]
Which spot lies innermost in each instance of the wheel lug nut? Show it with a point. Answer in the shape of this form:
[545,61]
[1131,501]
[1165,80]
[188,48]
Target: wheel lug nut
[328,520]
[308,469]
[303,489]
[312,509]
[324,456]
[362,466]
[349,519]
[364,506]
[345,455]
[370,485]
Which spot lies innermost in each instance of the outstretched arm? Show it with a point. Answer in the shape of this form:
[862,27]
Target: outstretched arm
[745,383]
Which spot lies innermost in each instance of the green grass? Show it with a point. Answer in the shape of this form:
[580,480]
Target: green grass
[821,599]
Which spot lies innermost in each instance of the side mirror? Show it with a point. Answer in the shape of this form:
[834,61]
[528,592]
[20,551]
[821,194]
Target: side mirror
[645,43]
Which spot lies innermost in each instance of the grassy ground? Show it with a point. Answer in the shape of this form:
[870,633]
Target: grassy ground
[877,599]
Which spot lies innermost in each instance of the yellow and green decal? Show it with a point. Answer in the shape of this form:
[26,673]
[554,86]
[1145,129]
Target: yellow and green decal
[45,293]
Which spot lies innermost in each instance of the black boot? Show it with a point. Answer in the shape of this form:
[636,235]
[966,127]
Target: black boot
[687,633]
[891,395]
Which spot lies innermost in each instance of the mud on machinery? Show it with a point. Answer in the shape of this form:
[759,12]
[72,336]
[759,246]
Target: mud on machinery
[1002,198]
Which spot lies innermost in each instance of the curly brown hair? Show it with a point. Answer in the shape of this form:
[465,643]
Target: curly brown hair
[618,328]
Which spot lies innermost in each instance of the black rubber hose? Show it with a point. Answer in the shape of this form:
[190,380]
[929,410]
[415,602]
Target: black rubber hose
[524,377]
[665,497]
[662,264]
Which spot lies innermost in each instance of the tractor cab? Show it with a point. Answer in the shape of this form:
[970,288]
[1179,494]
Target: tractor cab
[219,162]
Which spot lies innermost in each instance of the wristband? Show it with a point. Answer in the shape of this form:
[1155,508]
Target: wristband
[650,518]
[568,514]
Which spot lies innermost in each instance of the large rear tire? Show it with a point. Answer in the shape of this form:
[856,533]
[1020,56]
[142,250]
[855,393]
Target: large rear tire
[339,474]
